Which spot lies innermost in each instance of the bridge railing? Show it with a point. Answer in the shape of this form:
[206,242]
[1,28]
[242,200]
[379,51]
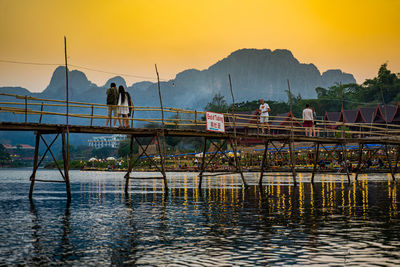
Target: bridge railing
[182,118]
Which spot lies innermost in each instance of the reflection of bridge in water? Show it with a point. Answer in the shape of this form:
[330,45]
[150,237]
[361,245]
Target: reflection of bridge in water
[186,123]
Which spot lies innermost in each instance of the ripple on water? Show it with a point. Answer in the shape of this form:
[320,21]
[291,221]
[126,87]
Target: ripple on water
[329,223]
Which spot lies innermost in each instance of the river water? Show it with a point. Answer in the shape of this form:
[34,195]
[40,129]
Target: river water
[329,223]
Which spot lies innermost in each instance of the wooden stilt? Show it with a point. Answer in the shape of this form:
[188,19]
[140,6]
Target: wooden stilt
[316,158]
[264,161]
[360,152]
[344,151]
[292,162]
[396,165]
[130,166]
[237,162]
[41,113]
[389,162]
[203,162]
[35,165]
[161,150]
[66,166]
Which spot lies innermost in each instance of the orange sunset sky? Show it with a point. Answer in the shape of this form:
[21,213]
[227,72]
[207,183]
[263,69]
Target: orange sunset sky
[130,36]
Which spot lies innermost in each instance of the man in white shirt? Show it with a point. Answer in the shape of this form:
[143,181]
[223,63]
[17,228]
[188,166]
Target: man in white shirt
[308,120]
[264,115]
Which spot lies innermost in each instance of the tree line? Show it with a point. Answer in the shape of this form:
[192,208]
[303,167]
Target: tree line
[384,88]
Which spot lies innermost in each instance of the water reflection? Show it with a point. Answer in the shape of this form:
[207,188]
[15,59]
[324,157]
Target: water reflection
[329,222]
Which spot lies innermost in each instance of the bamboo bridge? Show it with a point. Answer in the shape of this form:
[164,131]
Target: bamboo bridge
[31,111]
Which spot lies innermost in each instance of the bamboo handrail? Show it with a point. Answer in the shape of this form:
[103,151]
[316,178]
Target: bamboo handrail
[252,120]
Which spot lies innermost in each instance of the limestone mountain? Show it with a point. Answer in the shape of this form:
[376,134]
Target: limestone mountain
[256,73]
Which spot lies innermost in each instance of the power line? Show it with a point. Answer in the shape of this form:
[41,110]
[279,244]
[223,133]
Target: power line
[115,73]
[29,63]
[80,67]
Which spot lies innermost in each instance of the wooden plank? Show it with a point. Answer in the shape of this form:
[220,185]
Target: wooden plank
[50,181]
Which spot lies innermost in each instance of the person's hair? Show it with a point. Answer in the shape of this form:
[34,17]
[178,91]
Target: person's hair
[307,105]
[113,85]
[121,91]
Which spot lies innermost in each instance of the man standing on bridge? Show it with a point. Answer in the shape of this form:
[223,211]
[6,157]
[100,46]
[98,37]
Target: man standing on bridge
[112,101]
[264,115]
[308,120]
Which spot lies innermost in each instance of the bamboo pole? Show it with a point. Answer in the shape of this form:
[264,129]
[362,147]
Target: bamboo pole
[292,161]
[66,165]
[389,162]
[162,160]
[360,152]
[234,141]
[264,160]
[35,165]
[41,113]
[159,94]
[291,140]
[91,118]
[203,163]
[344,158]
[26,110]
[67,104]
[316,157]
[130,165]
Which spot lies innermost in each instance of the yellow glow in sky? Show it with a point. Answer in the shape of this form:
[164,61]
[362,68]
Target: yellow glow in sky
[130,36]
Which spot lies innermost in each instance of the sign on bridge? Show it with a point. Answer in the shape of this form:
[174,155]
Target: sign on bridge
[215,122]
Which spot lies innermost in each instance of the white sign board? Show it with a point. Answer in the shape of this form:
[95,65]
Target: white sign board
[215,122]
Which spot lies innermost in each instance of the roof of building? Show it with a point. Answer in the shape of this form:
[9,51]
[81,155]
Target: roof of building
[380,113]
[285,119]
[396,115]
[332,116]
[365,114]
[349,116]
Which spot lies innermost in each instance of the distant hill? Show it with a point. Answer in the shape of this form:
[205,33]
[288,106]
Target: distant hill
[255,74]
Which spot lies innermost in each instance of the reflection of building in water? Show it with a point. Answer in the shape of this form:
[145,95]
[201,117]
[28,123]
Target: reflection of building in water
[106,141]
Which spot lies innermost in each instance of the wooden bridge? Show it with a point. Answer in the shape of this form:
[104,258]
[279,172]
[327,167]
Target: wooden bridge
[188,123]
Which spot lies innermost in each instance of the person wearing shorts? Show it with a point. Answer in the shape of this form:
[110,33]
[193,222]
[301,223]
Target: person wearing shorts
[264,115]
[308,120]
[112,98]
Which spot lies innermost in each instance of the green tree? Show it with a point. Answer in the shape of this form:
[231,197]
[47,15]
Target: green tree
[104,152]
[124,146]
[217,104]
[4,155]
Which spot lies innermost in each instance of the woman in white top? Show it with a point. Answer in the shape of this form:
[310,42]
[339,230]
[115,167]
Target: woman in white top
[123,106]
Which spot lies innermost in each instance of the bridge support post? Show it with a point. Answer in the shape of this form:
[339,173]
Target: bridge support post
[360,152]
[292,161]
[344,151]
[35,165]
[161,151]
[203,162]
[130,165]
[66,166]
[237,161]
[264,162]
[389,162]
[316,157]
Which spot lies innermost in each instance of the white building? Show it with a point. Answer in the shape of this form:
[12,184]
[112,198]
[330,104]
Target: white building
[106,141]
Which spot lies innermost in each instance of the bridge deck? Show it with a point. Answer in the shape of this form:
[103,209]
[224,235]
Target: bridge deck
[58,128]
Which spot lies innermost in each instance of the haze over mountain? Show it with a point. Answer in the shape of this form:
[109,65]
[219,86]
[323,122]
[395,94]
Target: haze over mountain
[255,74]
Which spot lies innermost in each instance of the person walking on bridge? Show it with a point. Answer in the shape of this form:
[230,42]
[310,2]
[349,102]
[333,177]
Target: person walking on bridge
[112,100]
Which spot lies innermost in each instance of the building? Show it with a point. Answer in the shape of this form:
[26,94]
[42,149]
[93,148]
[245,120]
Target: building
[106,141]
[20,151]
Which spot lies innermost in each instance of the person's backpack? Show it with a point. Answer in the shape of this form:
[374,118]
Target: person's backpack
[112,96]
